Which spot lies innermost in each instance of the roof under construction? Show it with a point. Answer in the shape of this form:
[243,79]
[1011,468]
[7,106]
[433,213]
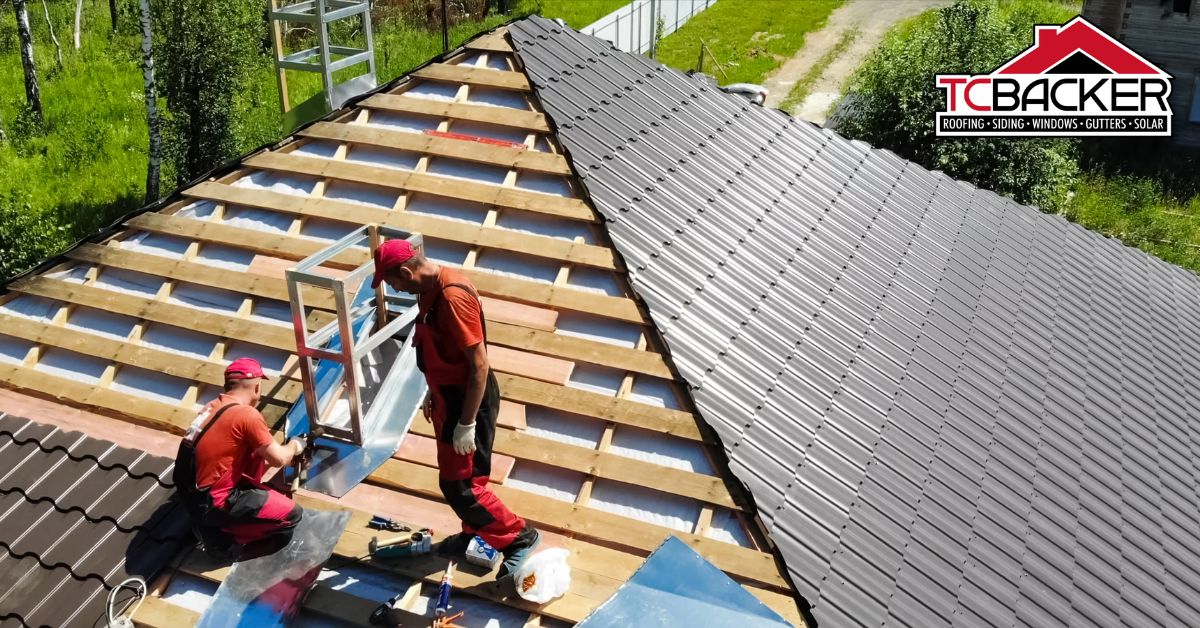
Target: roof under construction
[937,406]
[599,445]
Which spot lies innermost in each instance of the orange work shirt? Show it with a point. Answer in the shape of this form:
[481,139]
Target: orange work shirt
[226,453]
[458,322]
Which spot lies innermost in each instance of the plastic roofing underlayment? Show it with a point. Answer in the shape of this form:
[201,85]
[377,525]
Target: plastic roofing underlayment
[77,517]
[599,446]
[950,408]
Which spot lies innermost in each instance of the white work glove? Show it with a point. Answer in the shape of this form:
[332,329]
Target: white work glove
[464,439]
[301,443]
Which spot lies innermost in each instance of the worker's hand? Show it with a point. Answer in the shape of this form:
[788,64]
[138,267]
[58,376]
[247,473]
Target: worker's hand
[427,407]
[464,438]
[300,443]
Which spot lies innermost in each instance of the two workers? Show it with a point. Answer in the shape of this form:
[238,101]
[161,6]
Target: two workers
[232,446]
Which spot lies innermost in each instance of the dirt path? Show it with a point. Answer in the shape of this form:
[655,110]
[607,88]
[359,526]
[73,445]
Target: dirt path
[872,19]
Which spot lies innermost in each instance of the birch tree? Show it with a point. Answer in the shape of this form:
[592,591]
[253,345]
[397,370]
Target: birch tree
[155,166]
[50,25]
[32,93]
[78,19]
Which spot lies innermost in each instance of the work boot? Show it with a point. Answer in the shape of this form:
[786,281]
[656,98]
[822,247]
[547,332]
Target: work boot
[518,551]
[455,545]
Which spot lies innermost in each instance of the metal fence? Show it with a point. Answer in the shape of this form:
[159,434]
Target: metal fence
[632,28]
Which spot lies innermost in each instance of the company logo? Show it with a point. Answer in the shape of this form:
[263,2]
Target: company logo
[1073,81]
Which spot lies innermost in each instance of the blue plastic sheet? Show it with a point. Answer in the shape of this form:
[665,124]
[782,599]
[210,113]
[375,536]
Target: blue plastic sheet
[677,587]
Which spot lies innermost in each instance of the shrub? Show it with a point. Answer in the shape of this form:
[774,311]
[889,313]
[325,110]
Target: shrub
[27,236]
[892,100]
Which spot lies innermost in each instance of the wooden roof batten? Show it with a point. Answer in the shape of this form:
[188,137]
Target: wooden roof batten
[594,533]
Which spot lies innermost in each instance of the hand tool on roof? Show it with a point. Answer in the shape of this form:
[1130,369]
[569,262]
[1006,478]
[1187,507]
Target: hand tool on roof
[415,544]
[380,522]
[443,601]
[382,616]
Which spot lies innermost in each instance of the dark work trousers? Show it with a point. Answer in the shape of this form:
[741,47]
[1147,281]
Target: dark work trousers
[464,478]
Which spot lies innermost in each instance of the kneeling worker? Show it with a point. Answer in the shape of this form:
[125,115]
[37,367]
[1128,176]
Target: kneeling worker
[221,462]
[464,398]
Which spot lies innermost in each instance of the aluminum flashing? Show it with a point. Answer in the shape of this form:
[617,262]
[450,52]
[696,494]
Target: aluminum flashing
[77,517]
[951,409]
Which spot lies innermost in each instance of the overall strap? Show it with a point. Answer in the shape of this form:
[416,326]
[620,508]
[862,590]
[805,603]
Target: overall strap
[469,290]
[211,423]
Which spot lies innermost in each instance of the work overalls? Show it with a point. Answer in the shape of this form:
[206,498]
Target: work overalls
[463,478]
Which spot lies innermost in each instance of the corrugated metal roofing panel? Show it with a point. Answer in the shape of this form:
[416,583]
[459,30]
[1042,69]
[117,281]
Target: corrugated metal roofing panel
[77,516]
[951,409]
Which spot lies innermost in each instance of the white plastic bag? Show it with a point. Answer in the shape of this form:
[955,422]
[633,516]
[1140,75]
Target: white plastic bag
[544,576]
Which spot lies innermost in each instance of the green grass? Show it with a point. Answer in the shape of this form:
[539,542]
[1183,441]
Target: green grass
[750,38]
[1141,212]
[802,87]
[579,13]
[86,164]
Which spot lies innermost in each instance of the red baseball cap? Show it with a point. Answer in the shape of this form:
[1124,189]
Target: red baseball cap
[390,255]
[244,368]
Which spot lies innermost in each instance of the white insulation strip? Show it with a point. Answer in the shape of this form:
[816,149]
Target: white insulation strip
[459,169]
[199,210]
[595,280]
[592,327]
[563,427]
[519,220]
[474,59]
[598,379]
[70,365]
[156,244]
[465,211]
[178,340]
[386,157]
[257,219]
[654,391]
[150,384]
[645,504]
[433,90]
[325,229]
[28,306]
[286,183]
[227,257]
[661,449]
[725,527]
[446,252]
[499,61]
[75,273]
[101,322]
[497,98]
[363,194]
[318,148]
[190,592]
[203,297]
[518,265]
[129,282]
[401,121]
[545,480]
[13,350]
[544,183]
[273,312]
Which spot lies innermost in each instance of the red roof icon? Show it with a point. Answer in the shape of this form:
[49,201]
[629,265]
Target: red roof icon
[1052,44]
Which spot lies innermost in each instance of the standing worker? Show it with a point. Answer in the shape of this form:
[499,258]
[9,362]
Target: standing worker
[464,399]
[220,465]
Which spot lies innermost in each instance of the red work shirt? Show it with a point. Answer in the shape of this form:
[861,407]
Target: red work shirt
[226,453]
[458,322]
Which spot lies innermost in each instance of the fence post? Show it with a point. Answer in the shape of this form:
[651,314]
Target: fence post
[653,28]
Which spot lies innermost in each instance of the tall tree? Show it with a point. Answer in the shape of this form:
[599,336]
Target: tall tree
[205,49]
[155,166]
[50,25]
[78,19]
[32,93]
[112,11]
